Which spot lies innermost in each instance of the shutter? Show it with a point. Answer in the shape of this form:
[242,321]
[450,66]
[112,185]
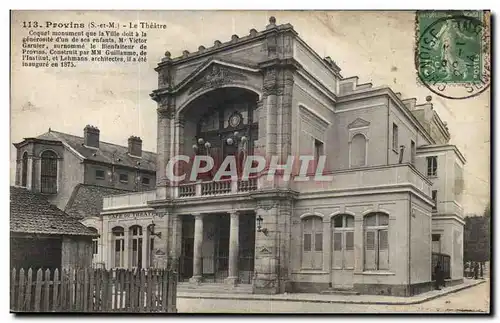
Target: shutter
[307,242]
[349,250]
[370,250]
[383,250]
[337,241]
[349,240]
[318,242]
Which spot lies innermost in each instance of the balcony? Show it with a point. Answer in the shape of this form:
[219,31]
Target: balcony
[129,200]
[368,177]
[214,188]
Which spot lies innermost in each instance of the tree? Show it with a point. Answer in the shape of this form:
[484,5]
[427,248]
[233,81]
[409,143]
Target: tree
[477,237]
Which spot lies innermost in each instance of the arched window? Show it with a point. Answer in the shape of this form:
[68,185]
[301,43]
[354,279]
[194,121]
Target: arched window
[119,236]
[358,150]
[343,241]
[136,236]
[48,174]
[376,226]
[24,170]
[312,242]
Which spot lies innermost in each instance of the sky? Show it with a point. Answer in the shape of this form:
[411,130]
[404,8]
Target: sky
[376,46]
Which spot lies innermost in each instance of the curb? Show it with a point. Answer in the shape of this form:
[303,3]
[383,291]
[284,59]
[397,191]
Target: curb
[263,298]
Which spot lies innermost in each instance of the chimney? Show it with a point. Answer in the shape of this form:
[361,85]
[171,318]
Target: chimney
[135,146]
[91,136]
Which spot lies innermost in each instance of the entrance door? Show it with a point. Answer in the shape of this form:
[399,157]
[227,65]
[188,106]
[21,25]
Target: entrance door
[187,248]
[342,251]
[247,248]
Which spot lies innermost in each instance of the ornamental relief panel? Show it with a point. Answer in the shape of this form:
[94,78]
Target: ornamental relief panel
[216,76]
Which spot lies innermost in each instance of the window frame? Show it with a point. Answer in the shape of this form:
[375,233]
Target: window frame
[24,169]
[49,172]
[395,137]
[118,233]
[376,229]
[413,152]
[432,166]
[103,177]
[434,198]
[137,237]
[148,181]
[313,258]
[120,178]
[365,150]
[319,149]
[343,231]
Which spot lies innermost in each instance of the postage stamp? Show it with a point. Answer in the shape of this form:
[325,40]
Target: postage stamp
[452,54]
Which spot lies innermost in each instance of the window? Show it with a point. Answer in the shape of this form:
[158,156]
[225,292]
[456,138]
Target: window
[413,152]
[343,241]
[151,245]
[99,174]
[136,246]
[24,170]
[95,243]
[145,181]
[376,227]
[48,174]
[395,137]
[432,166]
[124,178]
[318,149]
[434,198]
[118,236]
[358,150]
[436,243]
[312,237]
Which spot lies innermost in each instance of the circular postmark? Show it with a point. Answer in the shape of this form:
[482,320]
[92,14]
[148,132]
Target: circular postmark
[452,55]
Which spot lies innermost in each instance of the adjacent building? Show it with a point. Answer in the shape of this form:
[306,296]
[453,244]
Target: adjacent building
[392,206]
[43,236]
[74,173]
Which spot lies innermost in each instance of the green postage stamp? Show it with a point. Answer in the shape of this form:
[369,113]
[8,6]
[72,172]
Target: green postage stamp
[452,54]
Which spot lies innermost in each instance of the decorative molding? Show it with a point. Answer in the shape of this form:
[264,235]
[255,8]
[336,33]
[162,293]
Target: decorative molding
[267,205]
[166,108]
[358,123]
[216,76]
[265,251]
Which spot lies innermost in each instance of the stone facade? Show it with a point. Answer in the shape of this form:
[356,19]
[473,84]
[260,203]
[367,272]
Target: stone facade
[369,228]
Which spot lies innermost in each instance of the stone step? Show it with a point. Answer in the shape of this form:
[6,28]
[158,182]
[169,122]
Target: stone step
[339,291]
[214,288]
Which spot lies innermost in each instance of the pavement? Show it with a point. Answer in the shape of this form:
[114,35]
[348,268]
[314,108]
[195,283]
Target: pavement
[334,298]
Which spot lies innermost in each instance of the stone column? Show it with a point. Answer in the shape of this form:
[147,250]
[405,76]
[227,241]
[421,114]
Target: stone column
[234,246]
[126,250]
[145,245]
[197,249]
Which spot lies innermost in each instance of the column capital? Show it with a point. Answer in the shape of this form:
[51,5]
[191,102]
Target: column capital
[198,216]
[234,213]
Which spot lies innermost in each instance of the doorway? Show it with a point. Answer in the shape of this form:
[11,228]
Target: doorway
[187,247]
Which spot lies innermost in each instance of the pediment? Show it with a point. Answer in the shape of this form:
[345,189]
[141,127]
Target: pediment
[358,123]
[215,73]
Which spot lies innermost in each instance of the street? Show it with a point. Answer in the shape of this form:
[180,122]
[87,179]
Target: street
[474,299]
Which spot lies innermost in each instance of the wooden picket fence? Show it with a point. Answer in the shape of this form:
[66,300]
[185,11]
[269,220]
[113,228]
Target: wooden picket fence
[93,290]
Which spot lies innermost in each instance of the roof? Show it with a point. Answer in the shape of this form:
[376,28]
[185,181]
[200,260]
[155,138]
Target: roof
[106,153]
[32,213]
[86,200]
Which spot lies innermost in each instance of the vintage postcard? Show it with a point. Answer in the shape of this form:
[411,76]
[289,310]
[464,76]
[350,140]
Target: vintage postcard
[250,161]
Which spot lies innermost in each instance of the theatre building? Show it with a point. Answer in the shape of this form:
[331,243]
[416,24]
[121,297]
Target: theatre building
[391,207]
